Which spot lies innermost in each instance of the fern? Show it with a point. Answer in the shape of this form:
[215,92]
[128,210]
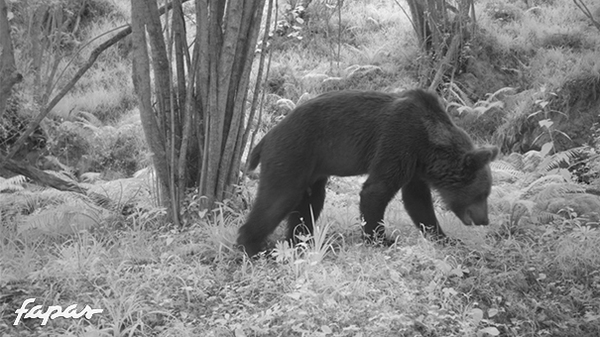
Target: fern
[65,219]
[12,184]
[505,168]
[561,158]
[545,217]
[542,182]
[48,196]
[479,107]
[556,190]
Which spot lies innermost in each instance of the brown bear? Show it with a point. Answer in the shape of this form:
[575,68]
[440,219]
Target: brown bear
[402,141]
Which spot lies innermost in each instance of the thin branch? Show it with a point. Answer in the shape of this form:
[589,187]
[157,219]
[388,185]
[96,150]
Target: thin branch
[93,56]
[34,124]
[79,51]
[264,49]
[408,16]
[587,12]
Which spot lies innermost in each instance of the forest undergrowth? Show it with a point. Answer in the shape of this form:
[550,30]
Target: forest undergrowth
[532,272]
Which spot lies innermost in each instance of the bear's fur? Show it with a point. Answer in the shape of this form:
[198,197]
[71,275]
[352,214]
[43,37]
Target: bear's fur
[402,141]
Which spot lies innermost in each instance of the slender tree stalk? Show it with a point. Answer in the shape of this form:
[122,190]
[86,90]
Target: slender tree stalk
[8,69]
[259,80]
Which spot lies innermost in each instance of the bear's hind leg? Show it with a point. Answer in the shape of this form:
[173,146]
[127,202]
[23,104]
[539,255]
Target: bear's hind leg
[416,196]
[270,208]
[300,221]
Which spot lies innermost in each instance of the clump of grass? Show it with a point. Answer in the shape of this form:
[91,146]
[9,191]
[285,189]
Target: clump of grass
[503,11]
[560,27]
[571,40]
[578,253]
[85,144]
[107,104]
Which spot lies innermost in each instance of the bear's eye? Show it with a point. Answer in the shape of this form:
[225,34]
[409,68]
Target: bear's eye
[481,197]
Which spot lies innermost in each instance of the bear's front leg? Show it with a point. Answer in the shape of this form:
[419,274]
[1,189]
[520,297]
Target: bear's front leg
[374,198]
[416,196]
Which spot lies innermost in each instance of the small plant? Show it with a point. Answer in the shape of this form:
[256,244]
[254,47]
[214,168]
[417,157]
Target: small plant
[503,12]
[479,108]
[482,118]
[308,252]
[549,130]
[12,184]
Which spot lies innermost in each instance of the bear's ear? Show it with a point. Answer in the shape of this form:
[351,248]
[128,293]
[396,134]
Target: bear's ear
[478,158]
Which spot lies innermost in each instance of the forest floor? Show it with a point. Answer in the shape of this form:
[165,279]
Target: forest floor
[534,280]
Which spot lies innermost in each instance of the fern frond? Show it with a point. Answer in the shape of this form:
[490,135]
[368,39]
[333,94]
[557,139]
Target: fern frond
[13,183]
[544,180]
[527,204]
[65,219]
[505,168]
[560,158]
[49,196]
[544,217]
[556,190]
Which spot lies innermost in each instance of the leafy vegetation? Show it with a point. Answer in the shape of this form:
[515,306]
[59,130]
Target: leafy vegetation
[532,272]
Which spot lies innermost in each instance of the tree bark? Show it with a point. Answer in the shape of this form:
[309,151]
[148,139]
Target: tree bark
[155,135]
[211,96]
[257,86]
[233,133]
[421,24]
[8,70]
[227,52]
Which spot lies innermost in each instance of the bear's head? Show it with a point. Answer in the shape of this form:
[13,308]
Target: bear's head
[468,200]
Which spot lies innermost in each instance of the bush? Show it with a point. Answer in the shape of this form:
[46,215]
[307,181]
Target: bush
[68,141]
[123,156]
[84,147]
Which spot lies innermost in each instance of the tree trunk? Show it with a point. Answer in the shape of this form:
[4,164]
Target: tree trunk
[151,122]
[206,88]
[420,24]
[441,29]
[8,69]
[227,52]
